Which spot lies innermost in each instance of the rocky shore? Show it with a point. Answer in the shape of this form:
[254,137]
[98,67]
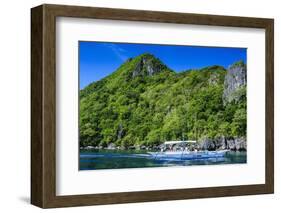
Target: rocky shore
[234,144]
[222,143]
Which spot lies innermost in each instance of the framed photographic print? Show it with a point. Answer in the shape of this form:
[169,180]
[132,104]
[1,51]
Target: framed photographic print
[137,106]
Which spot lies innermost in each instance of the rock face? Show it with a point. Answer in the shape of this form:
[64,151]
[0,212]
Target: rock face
[235,79]
[147,66]
[214,79]
[111,146]
[235,144]
[120,132]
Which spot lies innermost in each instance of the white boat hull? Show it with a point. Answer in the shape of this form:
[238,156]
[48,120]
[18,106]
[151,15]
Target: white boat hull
[188,155]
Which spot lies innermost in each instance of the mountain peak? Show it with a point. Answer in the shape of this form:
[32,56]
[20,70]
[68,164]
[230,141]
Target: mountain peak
[147,56]
[148,65]
[240,64]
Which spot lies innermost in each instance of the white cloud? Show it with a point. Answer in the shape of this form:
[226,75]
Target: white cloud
[118,51]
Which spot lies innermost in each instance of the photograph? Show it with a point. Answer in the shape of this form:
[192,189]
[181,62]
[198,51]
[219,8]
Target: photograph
[161,105]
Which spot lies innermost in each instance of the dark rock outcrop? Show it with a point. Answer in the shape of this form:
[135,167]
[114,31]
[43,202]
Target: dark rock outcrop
[214,79]
[235,79]
[147,66]
[240,144]
[235,144]
[120,132]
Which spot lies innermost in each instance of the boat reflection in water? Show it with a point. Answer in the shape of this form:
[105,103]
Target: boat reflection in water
[185,150]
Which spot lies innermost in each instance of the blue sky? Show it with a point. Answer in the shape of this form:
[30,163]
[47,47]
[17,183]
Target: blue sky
[99,59]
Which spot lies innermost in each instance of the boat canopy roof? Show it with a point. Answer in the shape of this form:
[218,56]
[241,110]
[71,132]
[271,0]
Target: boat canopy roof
[178,142]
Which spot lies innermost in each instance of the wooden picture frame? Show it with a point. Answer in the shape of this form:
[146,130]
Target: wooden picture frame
[43,105]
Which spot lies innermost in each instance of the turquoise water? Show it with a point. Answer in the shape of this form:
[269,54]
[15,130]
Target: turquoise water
[117,159]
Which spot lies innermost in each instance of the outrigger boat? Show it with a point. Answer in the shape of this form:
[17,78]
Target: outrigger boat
[180,150]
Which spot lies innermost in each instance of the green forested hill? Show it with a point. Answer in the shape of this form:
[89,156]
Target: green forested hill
[145,103]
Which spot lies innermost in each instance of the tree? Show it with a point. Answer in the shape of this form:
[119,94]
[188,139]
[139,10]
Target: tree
[239,124]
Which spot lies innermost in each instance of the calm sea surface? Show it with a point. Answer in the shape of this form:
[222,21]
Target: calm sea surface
[117,159]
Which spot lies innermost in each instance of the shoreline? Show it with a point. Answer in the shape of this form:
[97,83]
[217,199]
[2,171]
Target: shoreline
[149,149]
[203,144]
